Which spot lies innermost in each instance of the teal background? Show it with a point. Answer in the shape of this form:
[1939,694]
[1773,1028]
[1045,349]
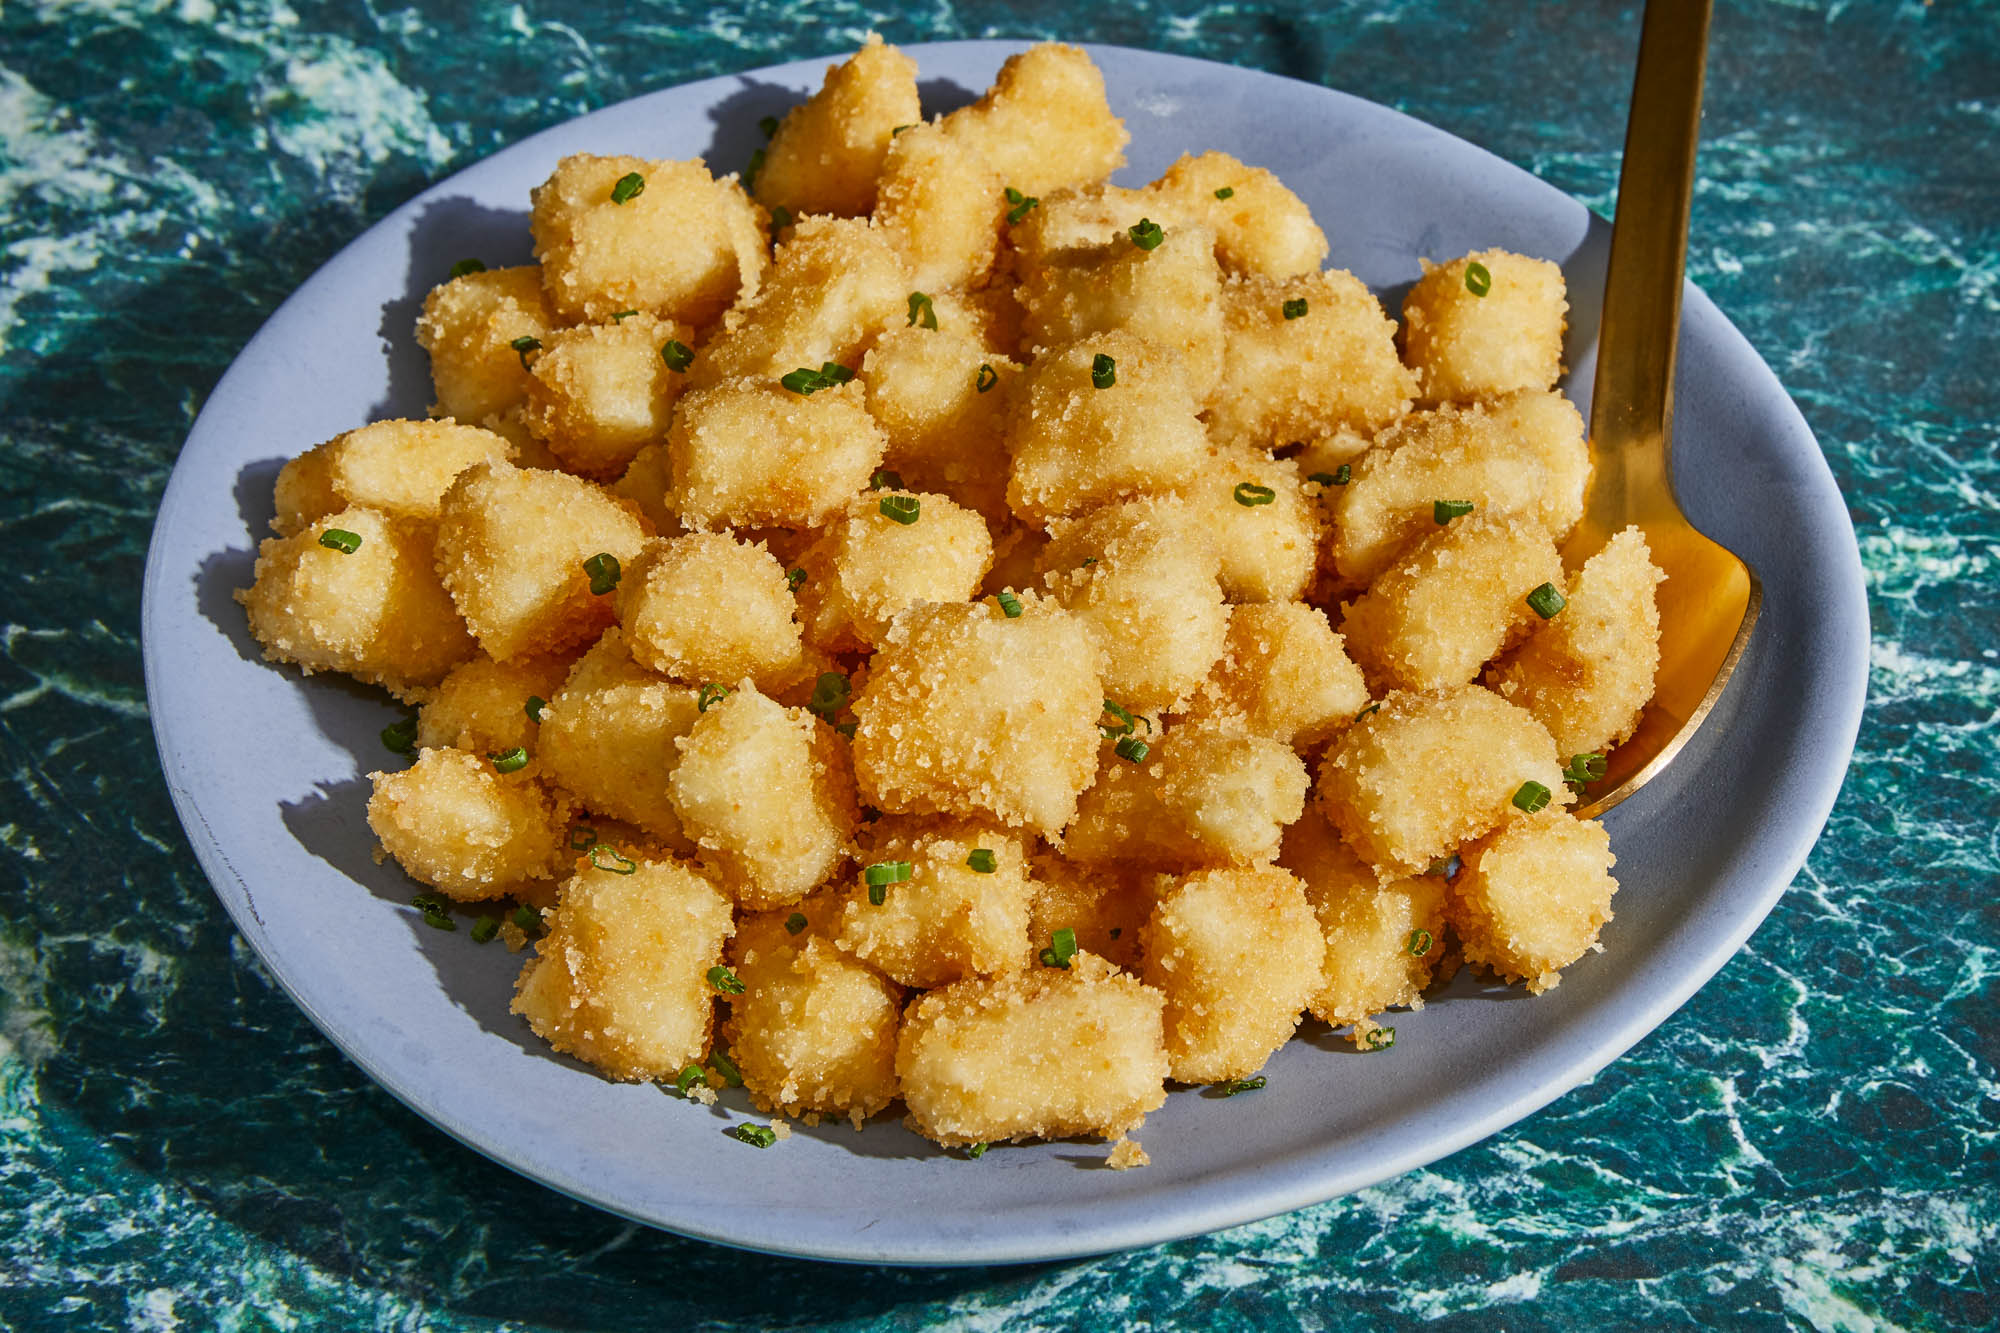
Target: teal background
[1810,1143]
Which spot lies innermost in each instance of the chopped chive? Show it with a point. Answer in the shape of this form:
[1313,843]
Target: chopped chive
[986,378]
[526,916]
[1062,948]
[1419,944]
[1022,204]
[533,708]
[751,168]
[1379,1039]
[757,1136]
[886,872]
[1146,234]
[400,737]
[1371,708]
[904,509]
[582,838]
[1295,308]
[689,1076]
[1531,797]
[466,266]
[1127,721]
[620,316]
[898,129]
[795,923]
[1583,769]
[1010,605]
[1226,192]
[835,373]
[1237,1086]
[975,1151]
[1088,561]
[878,894]
[1249,494]
[781,218]
[829,696]
[1132,749]
[1322,478]
[802,381]
[341,540]
[1444,511]
[983,861]
[922,311]
[1477,280]
[509,761]
[629,186]
[710,695]
[724,980]
[1546,601]
[1444,867]
[436,910]
[485,928]
[885,480]
[1103,371]
[1343,474]
[719,1061]
[769,124]
[606,857]
[846,729]
[678,355]
[603,572]
[525,344]
[794,578]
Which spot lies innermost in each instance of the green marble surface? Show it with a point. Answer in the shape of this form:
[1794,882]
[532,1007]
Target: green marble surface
[1810,1143]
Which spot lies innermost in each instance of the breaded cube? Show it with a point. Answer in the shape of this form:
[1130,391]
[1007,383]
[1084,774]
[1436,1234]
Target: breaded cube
[621,979]
[489,707]
[598,393]
[1105,905]
[706,607]
[1260,226]
[393,467]
[968,711]
[456,825]
[1423,773]
[814,1031]
[1550,425]
[767,793]
[648,483]
[941,399]
[1287,378]
[1080,217]
[1170,295]
[378,614]
[1142,577]
[1453,600]
[1471,336]
[828,150]
[949,920]
[686,246]
[867,566]
[1262,519]
[1045,122]
[1075,445]
[511,547]
[942,206]
[1237,953]
[1452,454]
[750,452]
[1532,896]
[1040,1053]
[1587,674]
[1283,673]
[469,326]
[511,425]
[834,285]
[609,737]
[1383,941]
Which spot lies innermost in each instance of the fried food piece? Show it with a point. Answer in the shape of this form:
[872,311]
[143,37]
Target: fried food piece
[621,979]
[1269,542]
[648,483]
[1171,295]
[1040,1053]
[598,393]
[828,151]
[867,566]
[1081,217]
[968,711]
[1260,227]
[1451,603]
[1142,577]
[685,247]
[1105,905]
[1549,424]
[766,792]
[814,1031]
[511,547]
[942,206]
[1237,953]
[749,452]
[1307,375]
[469,326]
[1045,122]
[451,822]
[377,613]
[941,398]
[484,706]
[1425,772]
[609,736]
[1075,446]
[1587,674]
[1470,335]
[1532,896]
[706,607]
[398,467]
[949,920]
[1283,673]
[1383,941]
[1204,794]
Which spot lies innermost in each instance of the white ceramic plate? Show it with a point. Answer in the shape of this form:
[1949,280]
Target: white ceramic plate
[267,769]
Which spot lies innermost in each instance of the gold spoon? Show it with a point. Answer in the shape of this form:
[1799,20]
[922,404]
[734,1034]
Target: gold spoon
[1710,599]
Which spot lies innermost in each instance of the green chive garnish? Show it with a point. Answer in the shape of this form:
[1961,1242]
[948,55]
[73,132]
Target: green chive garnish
[1546,601]
[805,381]
[1295,308]
[1010,605]
[536,703]
[720,1062]
[1371,708]
[752,167]
[1062,948]
[757,1136]
[986,378]
[526,916]
[898,129]
[885,480]
[1226,192]
[976,1151]
[465,266]
[523,345]
[1237,1086]
[1125,725]
[1249,494]
[400,737]
[1322,478]
[1146,234]
[1419,944]
[983,861]
[606,857]
[678,355]
[1583,769]
[1103,371]
[710,695]
[603,572]
[630,186]
[1477,280]
[886,872]
[834,373]
[724,980]
[620,316]
[1132,749]
[1531,797]
[341,540]
[769,124]
[485,928]
[509,761]
[1379,1039]
[904,509]
[582,838]
[794,578]
[436,910]
[795,923]
[689,1076]
[829,694]
[922,311]
[1444,511]
[1343,474]
[781,218]
[1021,204]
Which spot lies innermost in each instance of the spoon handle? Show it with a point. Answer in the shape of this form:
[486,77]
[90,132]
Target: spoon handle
[1631,414]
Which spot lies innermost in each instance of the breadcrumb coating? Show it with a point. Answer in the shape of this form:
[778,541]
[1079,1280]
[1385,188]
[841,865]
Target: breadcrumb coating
[827,153]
